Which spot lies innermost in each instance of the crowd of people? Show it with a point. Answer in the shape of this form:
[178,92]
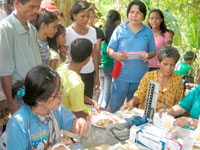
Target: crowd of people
[48,72]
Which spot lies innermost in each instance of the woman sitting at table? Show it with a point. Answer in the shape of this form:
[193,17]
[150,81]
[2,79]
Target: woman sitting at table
[190,103]
[37,124]
[171,86]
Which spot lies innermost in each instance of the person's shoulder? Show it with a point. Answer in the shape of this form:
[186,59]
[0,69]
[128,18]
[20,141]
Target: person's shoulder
[69,28]
[21,116]
[146,28]
[62,68]
[32,27]
[151,73]
[176,77]
[92,29]
[7,23]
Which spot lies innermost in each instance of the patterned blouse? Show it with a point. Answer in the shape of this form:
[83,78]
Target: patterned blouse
[172,94]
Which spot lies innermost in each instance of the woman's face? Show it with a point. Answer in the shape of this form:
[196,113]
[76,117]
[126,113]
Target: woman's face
[61,39]
[167,65]
[155,20]
[51,29]
[54,100]
[135,16]
[82,18]
[91,19]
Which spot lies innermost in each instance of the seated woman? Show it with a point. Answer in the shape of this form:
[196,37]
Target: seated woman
[190,103]
[171,86]
[37,124]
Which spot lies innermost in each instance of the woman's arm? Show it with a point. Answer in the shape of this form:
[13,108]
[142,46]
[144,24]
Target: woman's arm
[116,55]
[95,61]
[175,111]
[135,100]
[148,56]
[99,41]
[186,121]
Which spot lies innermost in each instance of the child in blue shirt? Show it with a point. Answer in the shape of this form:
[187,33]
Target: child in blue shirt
[37,124]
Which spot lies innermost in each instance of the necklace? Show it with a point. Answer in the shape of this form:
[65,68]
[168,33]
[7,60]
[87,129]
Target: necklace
[41,144]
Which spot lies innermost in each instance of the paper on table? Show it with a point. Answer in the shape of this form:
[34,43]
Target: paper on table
[134,55]
[167,121]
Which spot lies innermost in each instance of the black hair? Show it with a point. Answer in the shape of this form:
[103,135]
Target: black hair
[189,55]
[168,51]
[163,26]
[81,49]
[109,27]
[52,41]
[40,82]
[23,1]
[78,7]
[141,6]
[45,17]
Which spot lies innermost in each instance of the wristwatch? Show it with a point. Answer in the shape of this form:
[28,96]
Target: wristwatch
[191,124]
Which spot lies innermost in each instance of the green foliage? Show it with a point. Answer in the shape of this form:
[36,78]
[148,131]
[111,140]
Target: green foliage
[181,16]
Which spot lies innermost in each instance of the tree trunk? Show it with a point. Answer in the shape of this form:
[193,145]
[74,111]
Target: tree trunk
[64,6]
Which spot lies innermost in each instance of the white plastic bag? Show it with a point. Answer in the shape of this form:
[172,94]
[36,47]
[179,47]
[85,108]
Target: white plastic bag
[3,141]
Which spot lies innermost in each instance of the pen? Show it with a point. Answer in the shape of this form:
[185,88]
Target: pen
[164,103]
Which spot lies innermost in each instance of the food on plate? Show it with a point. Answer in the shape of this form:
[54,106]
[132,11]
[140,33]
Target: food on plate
[104,122]
[60,146]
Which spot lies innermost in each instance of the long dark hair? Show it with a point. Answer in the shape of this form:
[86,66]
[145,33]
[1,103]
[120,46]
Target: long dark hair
[52,41]
[78,7]
[45,17]
[163,26]
[40,82]
[110,26]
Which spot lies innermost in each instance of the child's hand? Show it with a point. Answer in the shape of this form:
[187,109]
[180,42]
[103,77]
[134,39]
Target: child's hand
[63,52]
[68,142]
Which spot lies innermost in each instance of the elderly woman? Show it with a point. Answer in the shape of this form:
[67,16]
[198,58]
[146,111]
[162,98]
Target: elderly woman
[171,86]
[132,36]
[190,103]
[37,124]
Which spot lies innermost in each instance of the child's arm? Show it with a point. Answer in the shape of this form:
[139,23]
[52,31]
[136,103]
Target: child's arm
[53,63]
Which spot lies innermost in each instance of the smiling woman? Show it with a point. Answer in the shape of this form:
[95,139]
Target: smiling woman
[37,124]
[132,36]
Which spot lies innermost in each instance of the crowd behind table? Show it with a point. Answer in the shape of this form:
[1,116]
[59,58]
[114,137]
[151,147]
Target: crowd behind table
[33,42]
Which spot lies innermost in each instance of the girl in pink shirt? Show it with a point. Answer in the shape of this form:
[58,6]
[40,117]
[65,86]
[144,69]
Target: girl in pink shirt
[161,35]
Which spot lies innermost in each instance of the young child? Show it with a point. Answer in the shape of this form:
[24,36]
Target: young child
[57,47]
[183,67]
[73,86]
[37,124]
[46,24]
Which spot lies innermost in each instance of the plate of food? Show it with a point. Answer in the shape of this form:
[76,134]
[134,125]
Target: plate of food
[102,120]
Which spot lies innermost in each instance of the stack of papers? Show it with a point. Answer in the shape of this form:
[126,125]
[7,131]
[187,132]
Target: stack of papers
[134,55]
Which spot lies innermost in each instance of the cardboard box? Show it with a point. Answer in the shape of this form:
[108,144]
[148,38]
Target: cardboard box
[153,137]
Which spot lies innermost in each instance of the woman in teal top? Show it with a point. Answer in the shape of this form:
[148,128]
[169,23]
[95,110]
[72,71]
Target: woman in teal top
[190,103]
[107,63]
